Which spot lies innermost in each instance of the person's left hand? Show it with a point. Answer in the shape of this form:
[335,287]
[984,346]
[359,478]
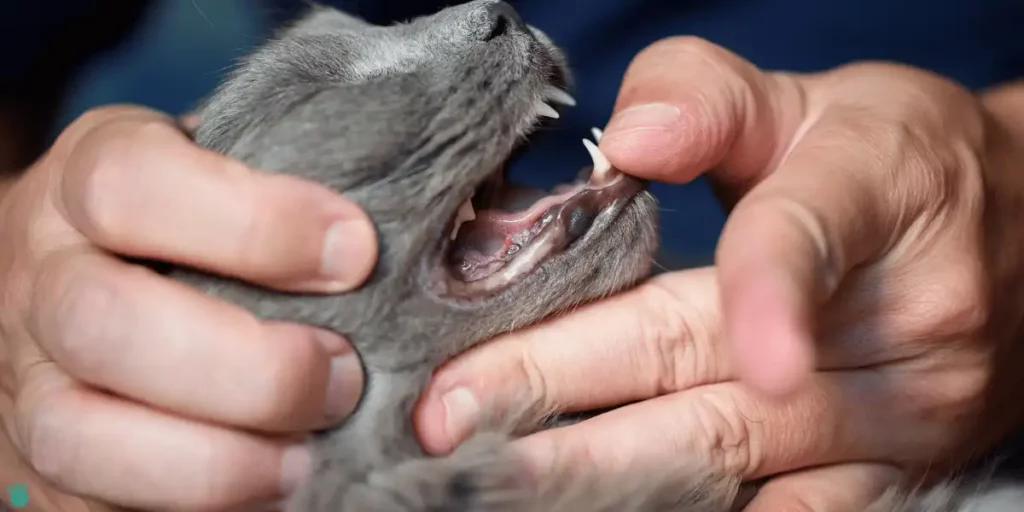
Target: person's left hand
[864,284]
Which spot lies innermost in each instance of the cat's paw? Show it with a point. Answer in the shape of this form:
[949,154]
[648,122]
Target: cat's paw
[485,475]
[480,476]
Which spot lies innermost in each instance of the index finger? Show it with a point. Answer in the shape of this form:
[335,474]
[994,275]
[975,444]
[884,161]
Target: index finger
[655,339]
[133,183]
[728,430]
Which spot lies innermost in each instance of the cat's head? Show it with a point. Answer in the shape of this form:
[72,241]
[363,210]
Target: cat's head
[416,122]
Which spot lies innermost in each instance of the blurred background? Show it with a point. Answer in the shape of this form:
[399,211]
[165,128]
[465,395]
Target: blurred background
[174,57]
[178,50]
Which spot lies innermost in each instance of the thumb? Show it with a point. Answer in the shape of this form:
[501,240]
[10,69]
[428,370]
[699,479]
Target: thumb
[687,105]
[788,244]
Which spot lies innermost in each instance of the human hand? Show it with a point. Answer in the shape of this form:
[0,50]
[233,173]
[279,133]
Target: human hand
[864,284]
[127,387]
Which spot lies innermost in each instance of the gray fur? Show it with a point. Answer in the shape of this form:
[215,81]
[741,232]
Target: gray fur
[407,120]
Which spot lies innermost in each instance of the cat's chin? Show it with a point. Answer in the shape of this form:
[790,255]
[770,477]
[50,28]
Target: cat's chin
[502,232]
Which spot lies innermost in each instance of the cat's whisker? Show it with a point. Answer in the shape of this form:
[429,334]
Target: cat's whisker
[659,265]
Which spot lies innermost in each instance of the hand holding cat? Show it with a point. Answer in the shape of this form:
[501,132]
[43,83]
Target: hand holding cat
[92,347]
[859,316]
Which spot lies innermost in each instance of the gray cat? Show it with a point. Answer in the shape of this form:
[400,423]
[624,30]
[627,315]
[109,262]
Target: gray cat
[415,122]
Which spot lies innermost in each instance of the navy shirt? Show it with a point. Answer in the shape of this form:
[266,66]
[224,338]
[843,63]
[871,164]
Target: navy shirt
[976,42]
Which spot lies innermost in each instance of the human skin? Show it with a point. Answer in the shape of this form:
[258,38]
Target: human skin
[862,311]
[76,323]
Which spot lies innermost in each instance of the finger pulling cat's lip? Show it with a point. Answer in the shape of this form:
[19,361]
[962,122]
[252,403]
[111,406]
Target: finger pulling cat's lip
[489,250]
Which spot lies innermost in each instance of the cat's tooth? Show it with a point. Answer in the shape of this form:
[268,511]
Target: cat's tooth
[466,213]
[597,133]
[559,96]
[603,171]
[545,110]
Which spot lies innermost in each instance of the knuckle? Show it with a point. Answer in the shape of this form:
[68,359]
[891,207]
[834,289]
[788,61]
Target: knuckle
[536,392]
[103,170]
[956,308]
[722,435]
[79,335]
[671,339]
[95,117]
[965,391]
[75,331]
[154,131]
[942,401]
[50,440]
[922,175]
[286,382]
[95,185]
[14,288]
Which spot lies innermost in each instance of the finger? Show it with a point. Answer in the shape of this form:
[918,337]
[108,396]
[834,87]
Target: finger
[190,122]
[126,329]
[655,339]
[788,244]
[136,185]
[687,105]
[841,488]
[729,429]
[99,446]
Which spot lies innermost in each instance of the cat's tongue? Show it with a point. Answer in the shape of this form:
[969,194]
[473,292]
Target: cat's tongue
[498,232]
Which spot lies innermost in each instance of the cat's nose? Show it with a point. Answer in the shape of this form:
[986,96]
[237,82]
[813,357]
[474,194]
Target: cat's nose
[504,19]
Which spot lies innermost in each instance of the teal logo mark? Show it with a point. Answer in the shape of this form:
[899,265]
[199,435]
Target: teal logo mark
[18,495]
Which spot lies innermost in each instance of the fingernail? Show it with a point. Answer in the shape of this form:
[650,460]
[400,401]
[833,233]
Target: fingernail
[461,414]
[333,343]
[344,387]
[295,466]
[348,252]
[652,115]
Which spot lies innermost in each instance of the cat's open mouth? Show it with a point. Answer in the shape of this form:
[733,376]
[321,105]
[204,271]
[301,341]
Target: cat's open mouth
[504,232]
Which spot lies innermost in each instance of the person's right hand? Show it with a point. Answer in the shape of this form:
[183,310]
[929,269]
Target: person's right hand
[123,386]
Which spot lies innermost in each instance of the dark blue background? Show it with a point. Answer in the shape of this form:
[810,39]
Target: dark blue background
[179,50]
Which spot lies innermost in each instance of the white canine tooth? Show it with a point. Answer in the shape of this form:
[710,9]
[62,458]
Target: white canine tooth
[466,213]
[545,110]
[596,132]
[559,96]
[602,167]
